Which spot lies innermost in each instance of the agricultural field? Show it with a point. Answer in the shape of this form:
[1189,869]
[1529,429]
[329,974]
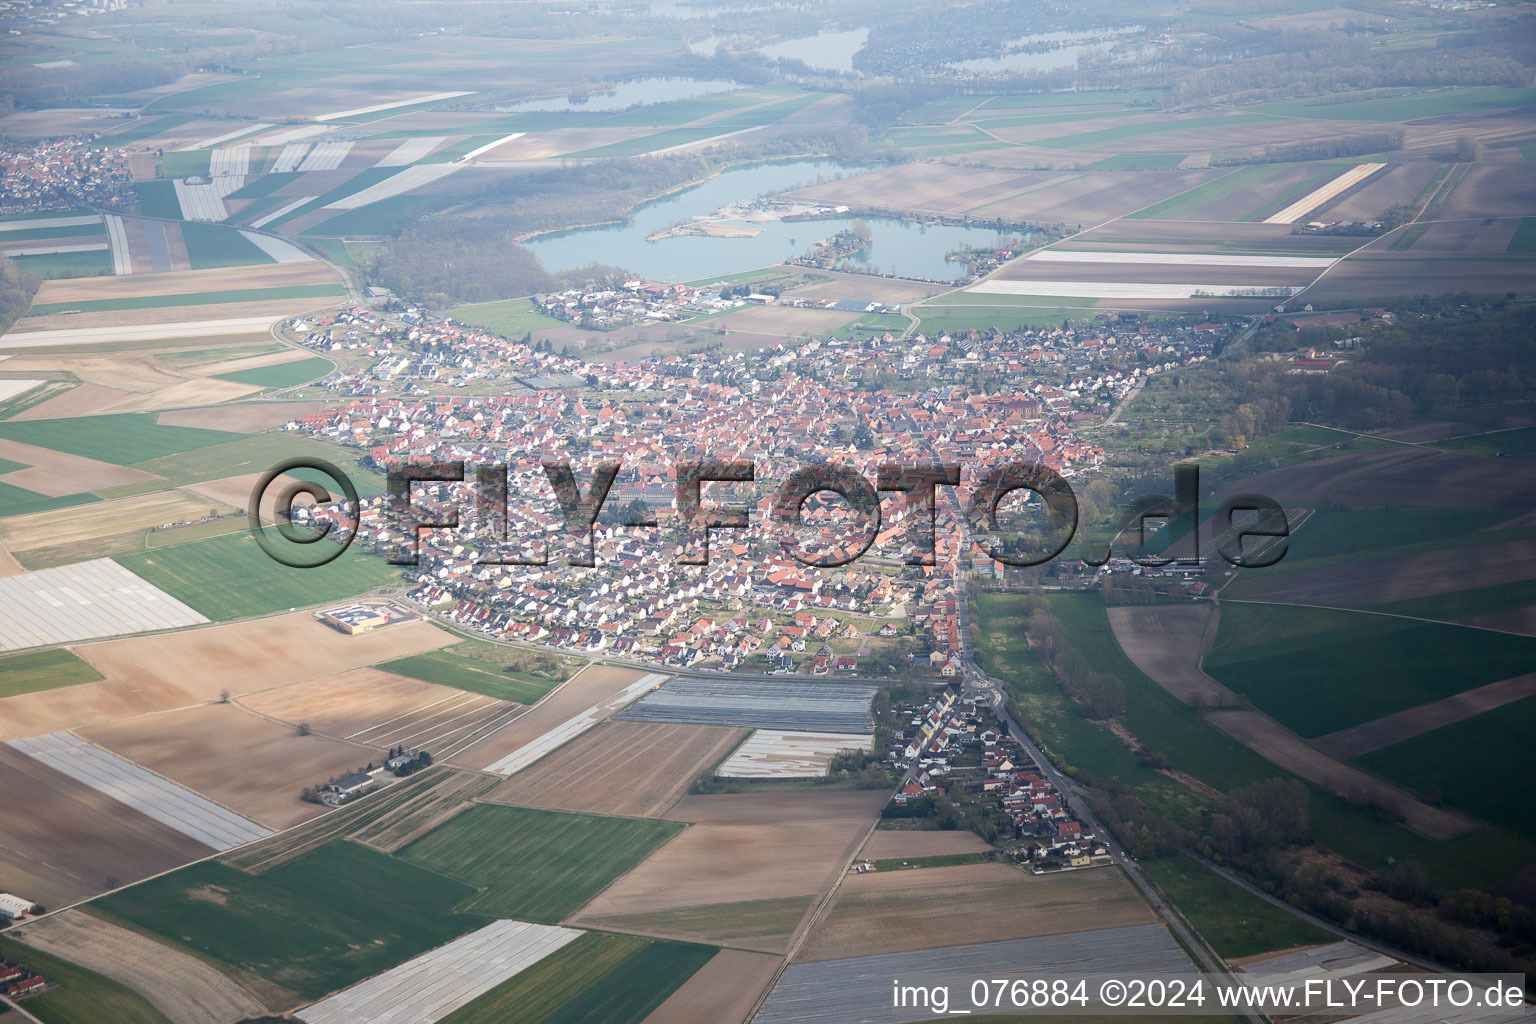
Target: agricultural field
[474,666]
[899,911]
[628,768]
[82,995]
[588,697]
[810,707]
[745,871]
[532,864]
[89,843]
[230,577]
[211,750]
[173,670]
[1234,921]
[602,979]
[182,987]
[43,670]
[119,439]
[834,991]
[415,990]
[775,754]
[382,710]
[108,601]
[296,926]
[1285,658]
[1471,764]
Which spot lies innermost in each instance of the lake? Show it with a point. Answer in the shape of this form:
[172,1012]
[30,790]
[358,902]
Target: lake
[897,247]
[1066,48]
[827,51]
[635,92]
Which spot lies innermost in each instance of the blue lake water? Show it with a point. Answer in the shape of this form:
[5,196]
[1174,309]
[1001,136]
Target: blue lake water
[635,92]
[829,51]
[897,247]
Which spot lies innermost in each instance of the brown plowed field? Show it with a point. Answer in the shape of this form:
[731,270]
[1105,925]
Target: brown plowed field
[898,911]
[173,670]
[1383,580]
[65,841]
[888,843]
[55,473]
[250,418]
[723,991]
[745,872]
[180,986]
[247,763]
[383,710]
[631,768]
[1167,644]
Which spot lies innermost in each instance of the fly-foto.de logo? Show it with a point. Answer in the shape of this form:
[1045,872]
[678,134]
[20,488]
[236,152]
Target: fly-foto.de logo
[1251,530]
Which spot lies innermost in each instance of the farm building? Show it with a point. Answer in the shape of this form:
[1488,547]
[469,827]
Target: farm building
[14,907]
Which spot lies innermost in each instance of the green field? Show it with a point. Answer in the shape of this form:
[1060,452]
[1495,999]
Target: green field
[94,231]
[363,179]
[264,185]
[510,318]
[96,263]
[1319,670]
[653,143]
[304,291]
[119,438]
[1520,440]
[176,164]
[216,245]
[1481,765]
[326,920]
[1153,717]
[256,453]
[1461,605]
[1139,162]
[282,375]
[1188,202]
[1333,536]
[1234,921]
[1160,126]
[144,127]
[18,501]
[380,218]
[598,979]
[535,865]
[43,670]
[158,199]
[82,996]
[229,577]
[1412,106]
[1525,236]
[478,676]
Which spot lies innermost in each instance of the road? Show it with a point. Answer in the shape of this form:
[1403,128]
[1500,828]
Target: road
[978,682]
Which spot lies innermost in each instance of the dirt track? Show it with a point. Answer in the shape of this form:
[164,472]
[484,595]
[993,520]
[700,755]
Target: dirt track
[1403,725]
[1268,738]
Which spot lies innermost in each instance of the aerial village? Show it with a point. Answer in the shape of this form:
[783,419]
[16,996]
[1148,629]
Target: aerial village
[753,606]
[60,174]
[962,762]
